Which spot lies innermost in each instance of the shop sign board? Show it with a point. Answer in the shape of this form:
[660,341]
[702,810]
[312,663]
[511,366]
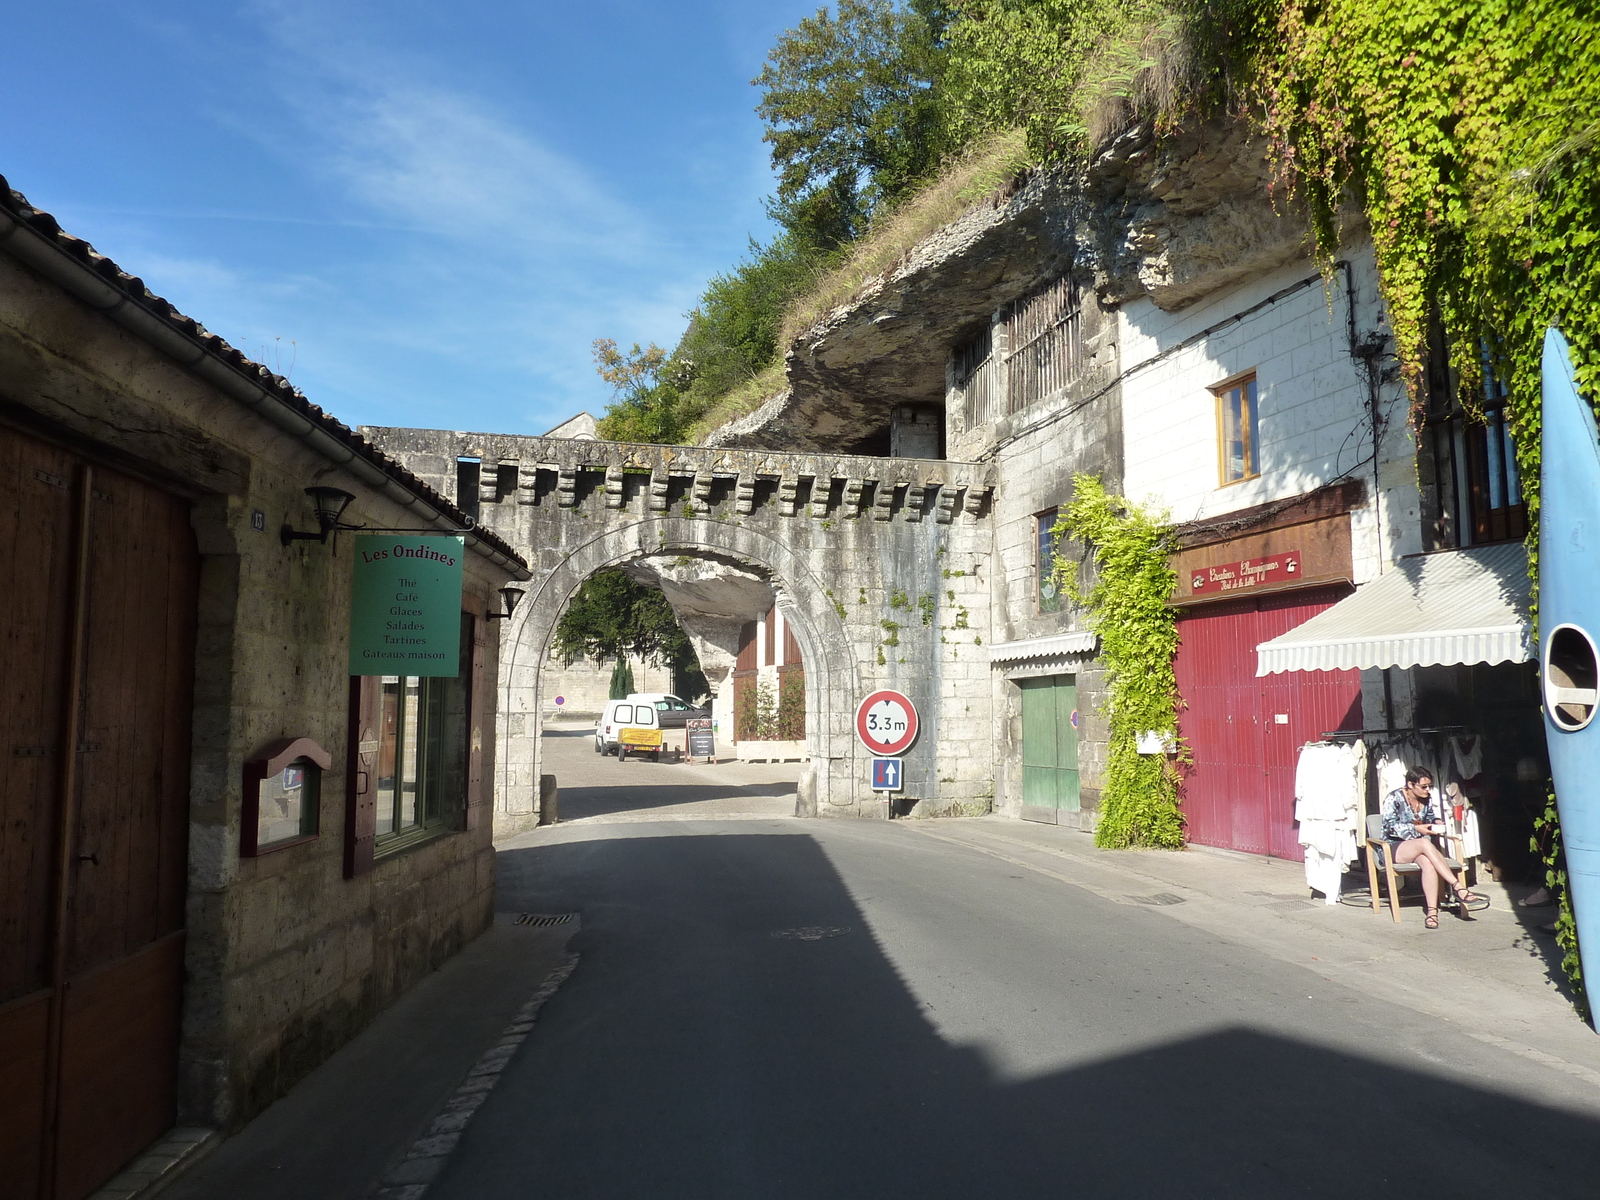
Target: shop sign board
[630,735]
[886,722]
[702,741]
[888,774]
[1246,574]
[405,605]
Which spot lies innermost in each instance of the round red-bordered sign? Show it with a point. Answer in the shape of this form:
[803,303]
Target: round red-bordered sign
[886,722]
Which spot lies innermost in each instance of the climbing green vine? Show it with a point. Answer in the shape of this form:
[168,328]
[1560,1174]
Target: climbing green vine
[1469,135]
[1127,607]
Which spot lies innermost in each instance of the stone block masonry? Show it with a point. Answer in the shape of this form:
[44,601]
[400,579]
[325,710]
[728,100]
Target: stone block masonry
[878,564]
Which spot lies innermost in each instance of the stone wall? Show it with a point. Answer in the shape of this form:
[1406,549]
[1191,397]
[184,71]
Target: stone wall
[880,566]
[286,959]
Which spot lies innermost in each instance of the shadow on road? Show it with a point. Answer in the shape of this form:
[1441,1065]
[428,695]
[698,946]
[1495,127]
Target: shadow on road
[579,802]
[734,1030]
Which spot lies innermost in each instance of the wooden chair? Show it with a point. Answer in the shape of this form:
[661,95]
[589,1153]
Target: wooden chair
[1378,852]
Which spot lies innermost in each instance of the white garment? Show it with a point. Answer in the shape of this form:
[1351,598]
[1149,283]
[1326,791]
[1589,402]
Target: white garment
[1330,787]
[1391,772]
[1468,753]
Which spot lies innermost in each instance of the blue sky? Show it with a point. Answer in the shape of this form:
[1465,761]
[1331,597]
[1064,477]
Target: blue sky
[423,213]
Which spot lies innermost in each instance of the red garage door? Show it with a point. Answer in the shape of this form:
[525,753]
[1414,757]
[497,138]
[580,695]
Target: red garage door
[1245,732]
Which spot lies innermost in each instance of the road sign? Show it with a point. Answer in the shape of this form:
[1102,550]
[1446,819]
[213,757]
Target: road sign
[886,722]
[888,774]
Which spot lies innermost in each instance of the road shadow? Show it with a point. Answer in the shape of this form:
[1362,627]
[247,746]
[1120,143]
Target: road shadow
[734,1030]
[579,802]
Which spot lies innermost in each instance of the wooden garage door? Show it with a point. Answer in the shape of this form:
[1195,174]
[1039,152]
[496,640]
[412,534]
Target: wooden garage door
[97,660]
[1245,733]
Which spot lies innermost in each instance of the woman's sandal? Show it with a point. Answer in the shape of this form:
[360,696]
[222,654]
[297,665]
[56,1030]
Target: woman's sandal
[1430,918]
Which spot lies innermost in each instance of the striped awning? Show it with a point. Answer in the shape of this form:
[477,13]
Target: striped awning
[1060,645]
[1454,606]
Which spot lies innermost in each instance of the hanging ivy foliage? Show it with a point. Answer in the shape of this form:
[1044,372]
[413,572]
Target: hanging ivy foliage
[1468,131]
[1127,607]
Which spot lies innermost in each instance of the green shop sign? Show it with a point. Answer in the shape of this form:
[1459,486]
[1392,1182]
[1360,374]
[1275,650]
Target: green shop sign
[405,607]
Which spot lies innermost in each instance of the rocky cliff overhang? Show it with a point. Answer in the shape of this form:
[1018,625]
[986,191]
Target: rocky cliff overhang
[888,346]
[1174,217]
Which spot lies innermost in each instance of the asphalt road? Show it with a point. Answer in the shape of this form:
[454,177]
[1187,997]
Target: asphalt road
[784,1008]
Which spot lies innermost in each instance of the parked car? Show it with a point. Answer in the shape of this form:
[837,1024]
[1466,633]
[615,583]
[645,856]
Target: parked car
[618,715]
[672,711]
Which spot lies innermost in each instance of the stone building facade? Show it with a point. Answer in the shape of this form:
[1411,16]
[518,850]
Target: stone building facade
[163,967]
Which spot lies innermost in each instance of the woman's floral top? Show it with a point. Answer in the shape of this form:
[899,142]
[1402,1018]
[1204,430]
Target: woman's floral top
[1400,822]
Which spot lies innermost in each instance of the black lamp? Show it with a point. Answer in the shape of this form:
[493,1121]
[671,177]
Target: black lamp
[511,595]
[331,503]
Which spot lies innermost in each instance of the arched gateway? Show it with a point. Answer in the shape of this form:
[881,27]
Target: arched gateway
[879,566]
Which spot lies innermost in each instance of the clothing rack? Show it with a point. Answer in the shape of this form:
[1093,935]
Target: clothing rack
[1338,735]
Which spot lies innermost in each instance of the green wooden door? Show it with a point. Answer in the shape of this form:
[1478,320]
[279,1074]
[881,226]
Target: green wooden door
[1049,747]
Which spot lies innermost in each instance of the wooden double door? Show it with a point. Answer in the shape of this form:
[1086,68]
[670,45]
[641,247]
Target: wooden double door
[97,663]
[1245,732]
[1049,747]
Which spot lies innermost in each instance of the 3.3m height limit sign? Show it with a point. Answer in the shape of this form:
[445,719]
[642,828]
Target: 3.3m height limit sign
[886,722]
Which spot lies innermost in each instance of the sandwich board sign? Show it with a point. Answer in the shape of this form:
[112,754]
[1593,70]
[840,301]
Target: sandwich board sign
[886,723]
[702,741]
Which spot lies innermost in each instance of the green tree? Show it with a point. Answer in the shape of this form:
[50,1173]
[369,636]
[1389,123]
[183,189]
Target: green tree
[851,104]
[611,615]
[645,401]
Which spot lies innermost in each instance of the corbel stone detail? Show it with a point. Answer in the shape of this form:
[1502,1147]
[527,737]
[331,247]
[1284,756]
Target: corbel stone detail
[659,482]
[947,505]
[567,487]
[883,500]
[788,490]
[614,492]
[852,496]
[745,495]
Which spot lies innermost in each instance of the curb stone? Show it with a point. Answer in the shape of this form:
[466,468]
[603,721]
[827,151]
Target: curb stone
[425,1161]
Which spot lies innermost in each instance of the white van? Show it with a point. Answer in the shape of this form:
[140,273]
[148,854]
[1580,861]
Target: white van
[638,714]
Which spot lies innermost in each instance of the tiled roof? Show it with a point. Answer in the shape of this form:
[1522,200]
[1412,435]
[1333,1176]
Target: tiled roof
[16,205]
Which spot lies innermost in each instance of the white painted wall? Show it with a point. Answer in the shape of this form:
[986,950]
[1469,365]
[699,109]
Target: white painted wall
[1315,425]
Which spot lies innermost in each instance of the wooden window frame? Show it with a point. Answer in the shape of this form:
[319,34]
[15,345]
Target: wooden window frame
[275,758]
[362,846]
[1221,392]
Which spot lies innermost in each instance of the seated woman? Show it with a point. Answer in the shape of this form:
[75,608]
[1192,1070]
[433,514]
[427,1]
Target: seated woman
[1408,819]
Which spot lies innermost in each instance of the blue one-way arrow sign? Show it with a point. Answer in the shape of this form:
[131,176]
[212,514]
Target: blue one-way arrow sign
[887,774]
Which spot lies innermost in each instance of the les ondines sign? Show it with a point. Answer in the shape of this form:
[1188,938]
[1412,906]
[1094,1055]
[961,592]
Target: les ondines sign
[405,606]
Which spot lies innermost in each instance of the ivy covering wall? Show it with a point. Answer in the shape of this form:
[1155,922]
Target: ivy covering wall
[1126,605]
[1468,134]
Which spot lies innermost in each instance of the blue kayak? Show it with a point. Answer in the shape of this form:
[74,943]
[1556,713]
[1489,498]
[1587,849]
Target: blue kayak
[1569,622]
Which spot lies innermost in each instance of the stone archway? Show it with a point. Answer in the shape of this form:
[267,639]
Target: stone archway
[881,565]
[800,595]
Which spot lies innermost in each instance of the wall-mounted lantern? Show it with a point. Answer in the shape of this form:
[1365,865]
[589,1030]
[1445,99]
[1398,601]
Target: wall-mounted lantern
[282,796]
[331,503]
[511,595]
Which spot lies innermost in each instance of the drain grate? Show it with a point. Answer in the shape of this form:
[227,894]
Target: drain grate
[811,933]
[1160,898]
[537,919]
